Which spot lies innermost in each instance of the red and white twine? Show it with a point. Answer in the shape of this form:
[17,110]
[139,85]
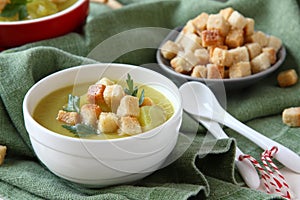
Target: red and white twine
[273,180]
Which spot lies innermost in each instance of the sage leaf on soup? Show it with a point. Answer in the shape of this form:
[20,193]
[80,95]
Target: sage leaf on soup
[73,104]
[81,130]
[133,90]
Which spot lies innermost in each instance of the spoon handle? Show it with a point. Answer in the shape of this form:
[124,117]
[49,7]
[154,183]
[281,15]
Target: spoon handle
[284,155]
[245,167]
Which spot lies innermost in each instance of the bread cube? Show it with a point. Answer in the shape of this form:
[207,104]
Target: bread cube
[239,54]
[105,81]
[190,42]
[129,126]
[202,55]
[95,94]
[274,42]
[221,57]
[254,49]
[291,116]
[258,37]
[287,78]
[181,65]
[217,22]
[199,71]
[249,27]
[271,54]
[226,12]
[71,118]
[212,48]
[215,71]
[189,27]
[112,96]
[2,153]
[129,106]
[235,38]
[237,20]
[185,62]
[200,22]
[260,63]
[108,122]
[170,49]
[89,114]
[211,38]
[239,70]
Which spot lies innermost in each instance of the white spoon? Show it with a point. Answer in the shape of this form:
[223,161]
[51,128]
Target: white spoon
[245,167]
[199,100]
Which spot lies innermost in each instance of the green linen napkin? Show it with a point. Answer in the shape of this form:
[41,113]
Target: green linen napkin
[205,170]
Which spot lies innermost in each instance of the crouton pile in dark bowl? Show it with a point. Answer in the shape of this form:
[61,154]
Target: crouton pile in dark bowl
[222,48]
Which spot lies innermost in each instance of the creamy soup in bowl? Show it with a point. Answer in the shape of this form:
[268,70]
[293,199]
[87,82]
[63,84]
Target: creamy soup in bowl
[116,157]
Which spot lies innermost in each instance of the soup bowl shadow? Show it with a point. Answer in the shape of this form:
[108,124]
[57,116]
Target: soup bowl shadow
[100,163]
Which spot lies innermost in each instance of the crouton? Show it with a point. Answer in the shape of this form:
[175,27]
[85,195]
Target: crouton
[291,116]
[226,12]
[239,70]
[169,50]
[181,65]
[260,63]
[199,71]
[274,42]
[112,96]
[287,78]
[221,57]
[217,22]
[95,94]
[189,27]
[215,71]
[239,54]
[129,106]
[202,55]
[108,122]
[211,38]
[71,118]
[129,126]
[271,52]
[190,42]
[212,48]
[185,62]
[89,114]
[147,102]
[254,49]
[2,153]
[235,38]
[237,20]
[249,27]
[258,37]
[105,81]
[200,22]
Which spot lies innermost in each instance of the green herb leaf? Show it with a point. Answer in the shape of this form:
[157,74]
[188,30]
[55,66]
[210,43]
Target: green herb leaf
[131,90]
[14,8]
[142,97]
[81,130]
[73,104]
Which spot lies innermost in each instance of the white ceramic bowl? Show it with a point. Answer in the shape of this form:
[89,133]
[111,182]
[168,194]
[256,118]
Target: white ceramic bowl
[98,163]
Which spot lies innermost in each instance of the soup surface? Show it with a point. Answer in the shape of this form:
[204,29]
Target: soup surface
[46,111]
[16,10]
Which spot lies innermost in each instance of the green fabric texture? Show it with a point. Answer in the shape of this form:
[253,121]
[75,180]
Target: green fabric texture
[206,169]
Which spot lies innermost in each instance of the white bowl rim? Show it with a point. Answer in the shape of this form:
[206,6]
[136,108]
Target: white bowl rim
[46,18]
[86,140]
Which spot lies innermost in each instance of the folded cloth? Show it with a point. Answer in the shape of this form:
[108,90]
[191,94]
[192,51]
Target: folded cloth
[206,168]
